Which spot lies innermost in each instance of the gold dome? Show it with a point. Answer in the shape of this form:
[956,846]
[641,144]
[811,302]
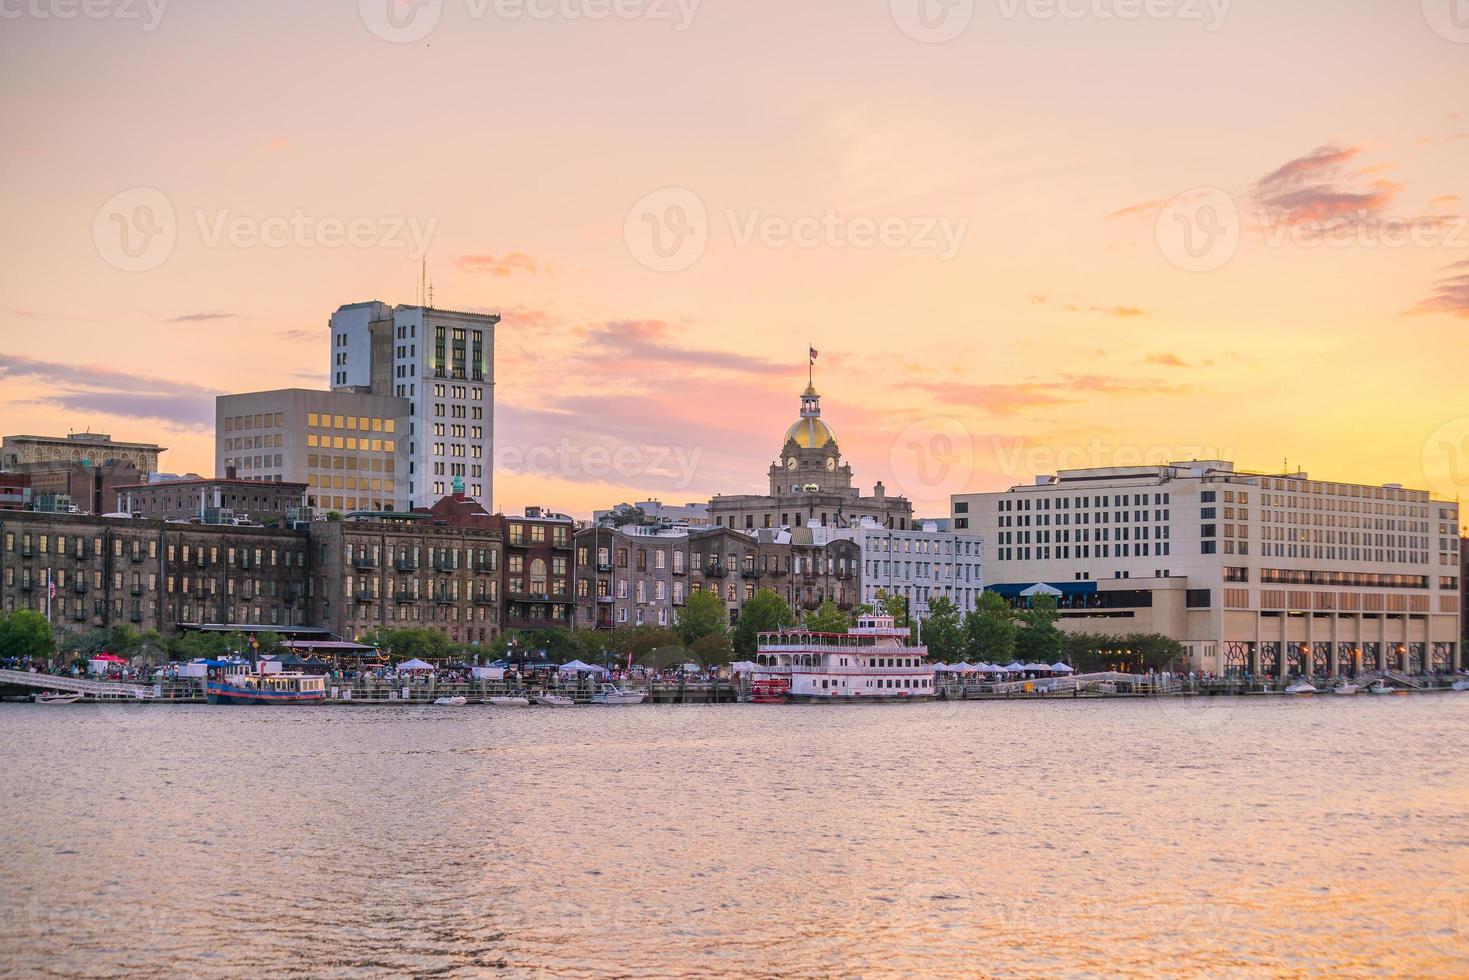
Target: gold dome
[811,434]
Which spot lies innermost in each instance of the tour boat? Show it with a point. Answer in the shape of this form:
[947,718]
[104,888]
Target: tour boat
[1346,689]
[554,701]
[612,694]
[509,702]
[234,683]
[1382,687]
[1302,687]
[1461,685]
[458,701]
[55,697]
[875,661]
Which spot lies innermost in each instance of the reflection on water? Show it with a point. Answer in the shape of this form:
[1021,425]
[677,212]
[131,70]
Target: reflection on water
[1269,837]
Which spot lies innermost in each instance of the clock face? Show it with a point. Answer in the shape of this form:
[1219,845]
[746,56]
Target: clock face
[791,463]
[831,464]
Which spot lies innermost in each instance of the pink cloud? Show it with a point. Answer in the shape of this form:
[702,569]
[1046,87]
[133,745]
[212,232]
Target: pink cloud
[1450,294]
[1320,188]
[501,266]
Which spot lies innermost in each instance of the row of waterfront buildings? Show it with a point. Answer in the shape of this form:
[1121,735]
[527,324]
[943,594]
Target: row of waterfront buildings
[1262,572]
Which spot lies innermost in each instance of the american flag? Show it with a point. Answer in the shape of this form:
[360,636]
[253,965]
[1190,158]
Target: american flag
[51,590]
[813,354]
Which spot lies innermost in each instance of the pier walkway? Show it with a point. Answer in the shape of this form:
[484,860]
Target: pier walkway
[92,690]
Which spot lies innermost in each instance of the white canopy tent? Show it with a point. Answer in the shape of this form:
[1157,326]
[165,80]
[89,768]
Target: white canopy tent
[578,667]
[1013,668]
[1041,588]
[743,666]
[409,666]
[1060,668]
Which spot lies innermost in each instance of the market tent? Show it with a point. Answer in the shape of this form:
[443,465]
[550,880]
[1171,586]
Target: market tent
[1013,667]
[1041,588]
[578,667]
[109,658]
[742,666]
[1037,667]
[991,669]
[1061,668]
[415,664]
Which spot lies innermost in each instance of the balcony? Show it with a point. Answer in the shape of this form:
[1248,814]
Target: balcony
[402,595]
[605,600]
[715,571]
[79,614]
[406,564]
[364,564]
[564,545]
[27,586]
[136,589]
[443,599]
[79,587]
[366,595]
[136,615]
[136,556]
[604,567]
[680,570]
[750,573]
[445,565]
[291,595]
[246,562]
[199,560]
[777,572]
[26,551]
[485,600]
[486,568]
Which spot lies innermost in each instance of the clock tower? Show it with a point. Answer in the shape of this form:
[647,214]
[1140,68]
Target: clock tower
[810,460]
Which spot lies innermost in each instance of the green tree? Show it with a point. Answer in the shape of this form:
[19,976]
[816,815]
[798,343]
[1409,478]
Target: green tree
[990,630]
[942,631]
[713,650]
[703,615]
[828,619]
[27,634]
[766,610]
[1039,640]
[893,605]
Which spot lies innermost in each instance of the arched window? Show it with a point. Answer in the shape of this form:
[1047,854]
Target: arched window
[538,576]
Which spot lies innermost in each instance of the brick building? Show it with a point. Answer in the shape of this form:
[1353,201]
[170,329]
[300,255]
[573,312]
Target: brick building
[204,500]
[92,448]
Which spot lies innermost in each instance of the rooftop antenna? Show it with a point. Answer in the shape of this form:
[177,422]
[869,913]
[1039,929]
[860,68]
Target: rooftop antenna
[430,293]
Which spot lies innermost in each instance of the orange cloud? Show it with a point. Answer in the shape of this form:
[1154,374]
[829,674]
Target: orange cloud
[502,266]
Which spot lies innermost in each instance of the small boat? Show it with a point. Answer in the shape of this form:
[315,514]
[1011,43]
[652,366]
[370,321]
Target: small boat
[230,682]
[1302,687]
[554,701]
[1460,685]
[612,694]
[509,702]
[56,697]
[457,701]
[1346,689]
[1381,687]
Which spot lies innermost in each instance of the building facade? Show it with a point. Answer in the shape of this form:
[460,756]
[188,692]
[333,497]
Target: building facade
[1264,573]
[213,501]
[404,573]
[348,577]
[92,448]
[442,363]
[918,564]
[810,485]
[89,487]
[15,491]
[348,447]
[657,512]
[91,572]
[643,576]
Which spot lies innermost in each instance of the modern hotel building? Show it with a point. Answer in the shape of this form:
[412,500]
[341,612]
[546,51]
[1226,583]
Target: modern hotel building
[1270,573]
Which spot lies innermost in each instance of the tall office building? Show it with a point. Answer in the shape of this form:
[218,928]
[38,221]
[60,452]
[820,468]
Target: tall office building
[1265,573]
[442,363]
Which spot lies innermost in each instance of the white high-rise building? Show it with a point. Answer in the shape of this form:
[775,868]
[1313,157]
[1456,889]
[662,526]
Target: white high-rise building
[442,362]
[1265,573]
[918,564]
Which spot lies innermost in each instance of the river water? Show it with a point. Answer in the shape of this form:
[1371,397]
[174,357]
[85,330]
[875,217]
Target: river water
[1142,838]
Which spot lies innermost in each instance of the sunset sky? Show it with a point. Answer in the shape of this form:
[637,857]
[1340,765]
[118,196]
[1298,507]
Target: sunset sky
[1231,229]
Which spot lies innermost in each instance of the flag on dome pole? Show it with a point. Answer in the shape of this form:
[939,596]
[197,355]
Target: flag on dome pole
[813,355]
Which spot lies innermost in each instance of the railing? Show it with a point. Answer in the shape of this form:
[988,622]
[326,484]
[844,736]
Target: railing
[406,565]
[108,690]
[364,564]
